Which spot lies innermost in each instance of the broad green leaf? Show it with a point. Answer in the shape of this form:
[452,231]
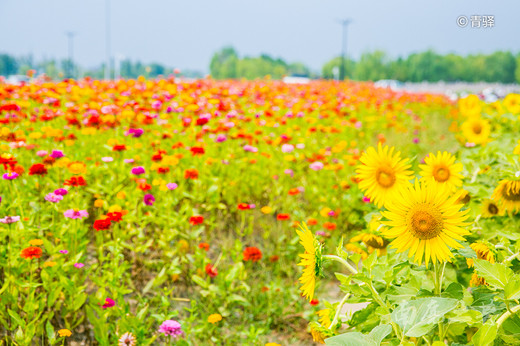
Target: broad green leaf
[486,334]
[49,329]
[374,338]
[454,290]
[419,317]
[512,324]
[16,318]
[200,281]
[379,333]
[495,274]
[512,288]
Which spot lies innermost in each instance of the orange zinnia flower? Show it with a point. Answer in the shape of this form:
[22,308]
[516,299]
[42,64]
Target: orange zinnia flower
[252,254]
[31,252]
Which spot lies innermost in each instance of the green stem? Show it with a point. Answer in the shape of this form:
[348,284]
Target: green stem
[338,310]
[506,315]
[351,269]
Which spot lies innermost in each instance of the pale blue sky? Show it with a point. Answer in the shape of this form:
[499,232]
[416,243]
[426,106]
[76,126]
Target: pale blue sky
[185,34]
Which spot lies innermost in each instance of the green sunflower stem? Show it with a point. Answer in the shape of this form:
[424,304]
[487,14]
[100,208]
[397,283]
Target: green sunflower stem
[350,268]
[338,310]
[437,276]
[506,315]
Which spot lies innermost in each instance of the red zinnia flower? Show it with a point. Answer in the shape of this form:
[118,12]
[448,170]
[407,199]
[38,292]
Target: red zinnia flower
[243,206]
[274,258]
[252,254]
[37,169]
[163,170]
[315,302]
[282,217]
[115,216]
[211,271]
[102,225]
[331,226]
[31,252]
[294,191]
[76,181]
[204,246]
[197,151]
[196,220]
[119,147]
[191,173]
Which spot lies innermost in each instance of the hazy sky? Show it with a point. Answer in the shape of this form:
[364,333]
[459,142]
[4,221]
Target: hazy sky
[185,34]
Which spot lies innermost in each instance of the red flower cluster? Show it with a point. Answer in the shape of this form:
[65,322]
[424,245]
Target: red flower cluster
[196,220]
[331,226]
[31,252]
[197,151]
[243,206]
[38,169]
[282,217]
[252,254]
[102,225]
[119,147]
[76,181]
[211,271]
[191,173]
[204,246]
[115,216]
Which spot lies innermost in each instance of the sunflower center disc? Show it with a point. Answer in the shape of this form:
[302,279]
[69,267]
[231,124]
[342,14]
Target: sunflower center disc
[385,176]
[477,128]
[441,174]
[425,221]
[492,209]
[512,191]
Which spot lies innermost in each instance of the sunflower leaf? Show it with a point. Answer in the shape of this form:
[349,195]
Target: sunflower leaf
[419,317]
[486,334]
[495,274]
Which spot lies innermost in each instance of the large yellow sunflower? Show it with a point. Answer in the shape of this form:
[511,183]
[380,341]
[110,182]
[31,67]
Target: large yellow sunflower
[426,221]
[476,130]
[512,103]
[382,174]
[311,261]
[470,106]
[441,169]
[507,194]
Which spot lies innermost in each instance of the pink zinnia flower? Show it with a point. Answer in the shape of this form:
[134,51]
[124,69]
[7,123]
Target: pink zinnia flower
[221,138]
[61,192]
[171,186]
[287,148]
[42,153]
[128,160]
[10,176]
[250,148]
[148,199]
[107,159]
[53,198]
[57,154]
[316,166]
[79,265]
[108,303]
[64,251]
[75,213]
[10,219]
[171,327]
[138,170]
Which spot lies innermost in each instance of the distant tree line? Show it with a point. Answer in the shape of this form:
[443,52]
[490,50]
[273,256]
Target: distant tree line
[64,68]
[501,66]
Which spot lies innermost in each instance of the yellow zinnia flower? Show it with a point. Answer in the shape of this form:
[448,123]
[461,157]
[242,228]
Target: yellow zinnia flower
[426,221]
[311,261]
[507,194]
[36,242]
[441,169]
[64,333]
[214,318]
[382,174]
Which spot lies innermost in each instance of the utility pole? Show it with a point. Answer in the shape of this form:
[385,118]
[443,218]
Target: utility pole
[107,39]
[70,65]
[344,24]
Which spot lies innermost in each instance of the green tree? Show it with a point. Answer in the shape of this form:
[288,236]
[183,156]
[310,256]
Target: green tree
[8,65]
[372,66]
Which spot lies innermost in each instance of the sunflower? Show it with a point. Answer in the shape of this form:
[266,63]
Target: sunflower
[382,174]
[311,261]
[372,241]
[507,194]
[512,103]
[441,169]
[476,130]
[356,249]
[425,220]
[319,333]
[482,251]
[325,317]
[470,106]
[490,209]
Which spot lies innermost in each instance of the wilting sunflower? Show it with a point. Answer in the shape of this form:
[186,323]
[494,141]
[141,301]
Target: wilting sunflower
[311,261]
[372,241]
[490,209]
[319,333]
[325,317]
[356,249]
[476,130]
[426,221]
[382,174]
[441,169]
[483,252]
[507,194]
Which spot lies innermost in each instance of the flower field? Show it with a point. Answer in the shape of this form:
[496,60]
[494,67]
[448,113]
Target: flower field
[158,212]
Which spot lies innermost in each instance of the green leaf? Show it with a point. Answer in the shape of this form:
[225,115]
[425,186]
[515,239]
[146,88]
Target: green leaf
[370,261]
[495,274]
[419,317]
[397,294]
[512,288]
[512,324]
[486,334]
[454,290]
[374,338]
[49,329]
[467,252]
[16,318]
